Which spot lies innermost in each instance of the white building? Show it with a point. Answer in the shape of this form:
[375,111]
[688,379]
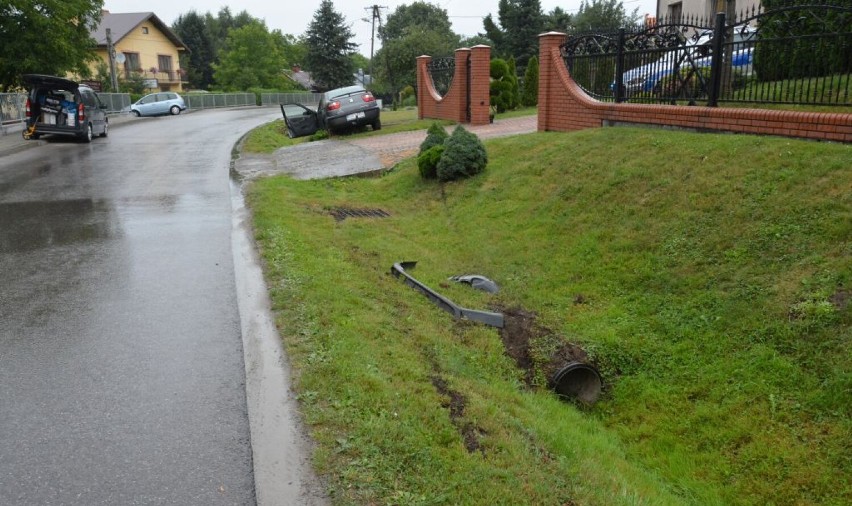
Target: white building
[674,9]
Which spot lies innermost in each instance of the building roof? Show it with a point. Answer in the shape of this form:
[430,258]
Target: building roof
[121,25]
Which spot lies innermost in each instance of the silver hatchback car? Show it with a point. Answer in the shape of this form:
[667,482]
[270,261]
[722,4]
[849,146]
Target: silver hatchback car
[164,102]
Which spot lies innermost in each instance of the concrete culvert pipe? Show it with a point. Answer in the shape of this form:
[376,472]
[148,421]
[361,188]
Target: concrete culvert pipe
[577,380]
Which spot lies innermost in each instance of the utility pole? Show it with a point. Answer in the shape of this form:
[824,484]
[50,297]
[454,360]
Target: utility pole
[376,15]
[111,56]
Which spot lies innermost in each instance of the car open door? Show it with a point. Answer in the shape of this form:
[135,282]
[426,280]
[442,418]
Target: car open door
[300,120]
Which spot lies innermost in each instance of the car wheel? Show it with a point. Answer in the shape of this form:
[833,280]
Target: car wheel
[377,125]
[136,113]
[87,137]
[175,110]
[106,129]
[290,133]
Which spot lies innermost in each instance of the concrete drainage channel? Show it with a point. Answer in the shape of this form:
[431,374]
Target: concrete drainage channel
[568,374]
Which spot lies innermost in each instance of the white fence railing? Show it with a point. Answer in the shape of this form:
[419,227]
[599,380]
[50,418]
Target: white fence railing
[216,100]
[274,99]
[12,108]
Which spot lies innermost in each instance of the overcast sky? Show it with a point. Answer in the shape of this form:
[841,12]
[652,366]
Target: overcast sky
[294,16]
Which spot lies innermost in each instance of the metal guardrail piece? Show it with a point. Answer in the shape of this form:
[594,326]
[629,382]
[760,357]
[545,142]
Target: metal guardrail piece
[486,317]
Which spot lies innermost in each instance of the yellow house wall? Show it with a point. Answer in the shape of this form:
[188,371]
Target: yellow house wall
[149,47]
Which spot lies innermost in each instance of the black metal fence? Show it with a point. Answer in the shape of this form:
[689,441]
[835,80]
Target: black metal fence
[442,71]
[796,54]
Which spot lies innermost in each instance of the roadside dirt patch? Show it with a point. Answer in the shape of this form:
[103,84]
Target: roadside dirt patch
[840,299]
[456,405]
[519,329]
[521,333]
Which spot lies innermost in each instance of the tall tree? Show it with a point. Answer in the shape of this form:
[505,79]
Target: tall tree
[46,37]
[410,31]
[329,44]
[396,65]
[195,33]
[294,48]
[419,13]
[521,21]
[603,15]
[252,58]
[529,96]
[557,20]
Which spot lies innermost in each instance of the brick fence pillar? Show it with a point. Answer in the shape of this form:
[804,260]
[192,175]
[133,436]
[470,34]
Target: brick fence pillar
[480,84]
[548,80]
[425,106]
[458,92]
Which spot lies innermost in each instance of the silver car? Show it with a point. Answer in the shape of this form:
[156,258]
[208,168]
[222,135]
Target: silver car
[339,110]
[164,102]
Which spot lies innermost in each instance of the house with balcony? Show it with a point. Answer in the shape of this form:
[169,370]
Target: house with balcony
[144,46]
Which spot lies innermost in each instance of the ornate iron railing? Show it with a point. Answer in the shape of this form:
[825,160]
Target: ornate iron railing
[442,71]
[796,54]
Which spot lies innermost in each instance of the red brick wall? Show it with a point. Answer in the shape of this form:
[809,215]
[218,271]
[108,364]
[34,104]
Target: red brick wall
[453,105]
[563,106]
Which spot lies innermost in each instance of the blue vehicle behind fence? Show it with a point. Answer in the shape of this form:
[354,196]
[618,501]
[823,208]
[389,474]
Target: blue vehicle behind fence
[686,66]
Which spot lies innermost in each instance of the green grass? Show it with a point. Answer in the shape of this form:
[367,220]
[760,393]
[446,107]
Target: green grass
[269,137]
[715,273]
[401,120]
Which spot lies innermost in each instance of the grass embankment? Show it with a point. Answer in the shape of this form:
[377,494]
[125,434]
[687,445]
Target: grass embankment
[708,276]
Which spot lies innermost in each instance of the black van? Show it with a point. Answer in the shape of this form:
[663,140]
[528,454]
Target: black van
[59,106]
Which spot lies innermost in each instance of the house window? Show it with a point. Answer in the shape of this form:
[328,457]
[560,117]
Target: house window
[131,63]
[165,63]
[675,12]
[145,30]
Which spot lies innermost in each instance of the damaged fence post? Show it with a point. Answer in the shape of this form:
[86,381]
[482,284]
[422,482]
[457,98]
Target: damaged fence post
[486,317]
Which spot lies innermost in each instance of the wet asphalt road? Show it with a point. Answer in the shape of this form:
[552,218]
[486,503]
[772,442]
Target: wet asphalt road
[122,378]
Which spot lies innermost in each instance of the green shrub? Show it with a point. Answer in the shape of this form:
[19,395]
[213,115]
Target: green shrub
[529,97]
[464,156]
[427,161]
[501,85]
[515,95]
[435,136]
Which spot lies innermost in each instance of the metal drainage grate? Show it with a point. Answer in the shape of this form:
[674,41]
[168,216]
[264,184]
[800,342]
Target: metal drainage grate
[341,213]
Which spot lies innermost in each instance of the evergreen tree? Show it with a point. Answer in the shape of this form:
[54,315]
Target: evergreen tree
[529,97]
[329,46]
[557,20]
[521,21]
[513,80]
[194,32]
[500,88]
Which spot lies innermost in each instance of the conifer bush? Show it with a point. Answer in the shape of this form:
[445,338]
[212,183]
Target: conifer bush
[500,88]
[463,156]
[427,161]
[529,97]
[435,136]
